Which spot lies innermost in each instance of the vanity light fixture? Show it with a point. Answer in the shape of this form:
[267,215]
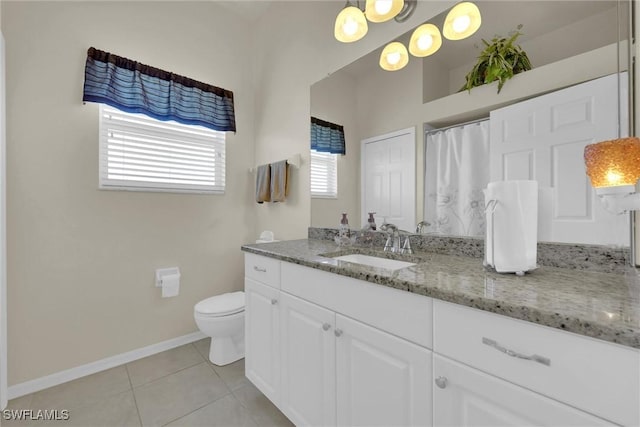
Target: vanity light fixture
[351,24]
[394,56]
[425,40]
[462,21]
[614,169]
[382,10]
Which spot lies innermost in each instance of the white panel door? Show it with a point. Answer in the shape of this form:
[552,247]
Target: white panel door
[543,139]
[262,337]
[464,396]
[388,178]
[382,380]
[308,363]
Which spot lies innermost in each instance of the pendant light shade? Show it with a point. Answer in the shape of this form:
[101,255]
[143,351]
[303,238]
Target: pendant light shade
[425,40]
[382,10]
[614,163]
[394,56]
[462,21]
[351,25]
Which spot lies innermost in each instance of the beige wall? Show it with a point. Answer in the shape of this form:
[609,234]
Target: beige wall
[81,261]
[335,100]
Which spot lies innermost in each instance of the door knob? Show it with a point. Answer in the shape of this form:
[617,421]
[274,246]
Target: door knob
[326,326]
[338,332]
[441,382]
[274,301]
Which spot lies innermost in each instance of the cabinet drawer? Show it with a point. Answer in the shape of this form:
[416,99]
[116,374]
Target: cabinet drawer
[595,376]
[263,269]
[401,313]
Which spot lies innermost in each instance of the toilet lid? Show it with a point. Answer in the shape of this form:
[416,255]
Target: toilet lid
[221,305]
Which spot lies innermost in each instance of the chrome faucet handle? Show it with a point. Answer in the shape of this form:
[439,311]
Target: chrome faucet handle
[406,248]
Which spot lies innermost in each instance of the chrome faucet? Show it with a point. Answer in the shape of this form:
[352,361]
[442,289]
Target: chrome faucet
[393,241]
[421,226]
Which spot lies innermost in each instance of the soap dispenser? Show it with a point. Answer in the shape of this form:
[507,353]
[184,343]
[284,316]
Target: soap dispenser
[344,226]
[371,221]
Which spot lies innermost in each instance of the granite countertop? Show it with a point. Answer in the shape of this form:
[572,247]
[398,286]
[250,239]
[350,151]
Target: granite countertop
[599,305]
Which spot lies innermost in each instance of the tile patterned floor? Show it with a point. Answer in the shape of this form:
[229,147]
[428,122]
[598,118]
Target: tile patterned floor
[178,387]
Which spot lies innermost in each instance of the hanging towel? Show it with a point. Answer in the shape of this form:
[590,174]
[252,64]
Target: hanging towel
[279,181]
[263,184]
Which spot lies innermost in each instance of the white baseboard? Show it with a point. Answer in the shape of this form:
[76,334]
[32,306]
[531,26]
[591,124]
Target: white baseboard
[47,381]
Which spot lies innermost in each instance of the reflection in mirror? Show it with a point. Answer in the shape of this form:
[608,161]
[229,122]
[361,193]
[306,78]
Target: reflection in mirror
[568,42]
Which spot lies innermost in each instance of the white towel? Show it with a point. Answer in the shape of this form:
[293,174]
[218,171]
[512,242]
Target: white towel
[512,234]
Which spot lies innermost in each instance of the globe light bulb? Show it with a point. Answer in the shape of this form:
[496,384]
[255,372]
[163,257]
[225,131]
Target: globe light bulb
[383,6]
[393,58]
[425,41]
[461,23]
[350,26]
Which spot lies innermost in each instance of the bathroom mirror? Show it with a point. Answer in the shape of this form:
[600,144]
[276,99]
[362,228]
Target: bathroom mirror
[568,42]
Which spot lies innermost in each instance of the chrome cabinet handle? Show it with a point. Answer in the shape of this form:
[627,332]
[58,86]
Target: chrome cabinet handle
[441,382]
[261,270]
[274,301]
[338,332]
[326,326]
[540,359]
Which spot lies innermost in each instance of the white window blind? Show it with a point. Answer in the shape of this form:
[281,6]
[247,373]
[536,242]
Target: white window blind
[138,152]
[324,174]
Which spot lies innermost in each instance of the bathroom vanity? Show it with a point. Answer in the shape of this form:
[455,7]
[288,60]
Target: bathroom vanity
[442,342]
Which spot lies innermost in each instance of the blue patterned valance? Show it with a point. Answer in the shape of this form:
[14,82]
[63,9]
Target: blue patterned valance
[327,137]
[137,88]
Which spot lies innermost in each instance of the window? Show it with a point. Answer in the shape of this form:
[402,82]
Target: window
[324,175]
[140,153]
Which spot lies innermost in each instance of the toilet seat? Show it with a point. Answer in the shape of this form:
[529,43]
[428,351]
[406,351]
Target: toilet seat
[221,305]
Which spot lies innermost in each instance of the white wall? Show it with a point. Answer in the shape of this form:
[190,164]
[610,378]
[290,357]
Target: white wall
[335,100]
[81,260]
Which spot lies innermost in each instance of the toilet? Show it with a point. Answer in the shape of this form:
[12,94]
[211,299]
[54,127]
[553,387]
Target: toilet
[221,317]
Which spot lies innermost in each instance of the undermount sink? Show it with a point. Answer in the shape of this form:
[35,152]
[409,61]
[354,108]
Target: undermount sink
[374,261]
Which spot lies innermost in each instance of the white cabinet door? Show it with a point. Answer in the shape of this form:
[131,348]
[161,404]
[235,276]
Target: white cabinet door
[464,396]
[262,337]
[308,363]
[382,380]
[388,177]
[543,139]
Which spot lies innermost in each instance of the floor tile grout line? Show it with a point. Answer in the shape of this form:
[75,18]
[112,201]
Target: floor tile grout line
[164,376]
[135,401]
[246,406]
[197,409]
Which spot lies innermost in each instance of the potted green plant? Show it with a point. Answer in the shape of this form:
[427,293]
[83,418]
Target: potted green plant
[500,60]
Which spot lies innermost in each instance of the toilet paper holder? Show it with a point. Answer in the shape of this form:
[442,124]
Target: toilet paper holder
[161,273]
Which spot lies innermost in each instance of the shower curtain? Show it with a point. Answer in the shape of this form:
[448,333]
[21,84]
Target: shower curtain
[456,172]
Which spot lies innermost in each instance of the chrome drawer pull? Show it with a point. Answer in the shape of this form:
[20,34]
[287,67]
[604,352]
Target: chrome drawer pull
[326,326]
[261,270]
[274,301]
[337,332]
[535,357]
[441,382]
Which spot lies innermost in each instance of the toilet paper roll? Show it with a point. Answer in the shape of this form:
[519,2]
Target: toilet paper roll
[170,285]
